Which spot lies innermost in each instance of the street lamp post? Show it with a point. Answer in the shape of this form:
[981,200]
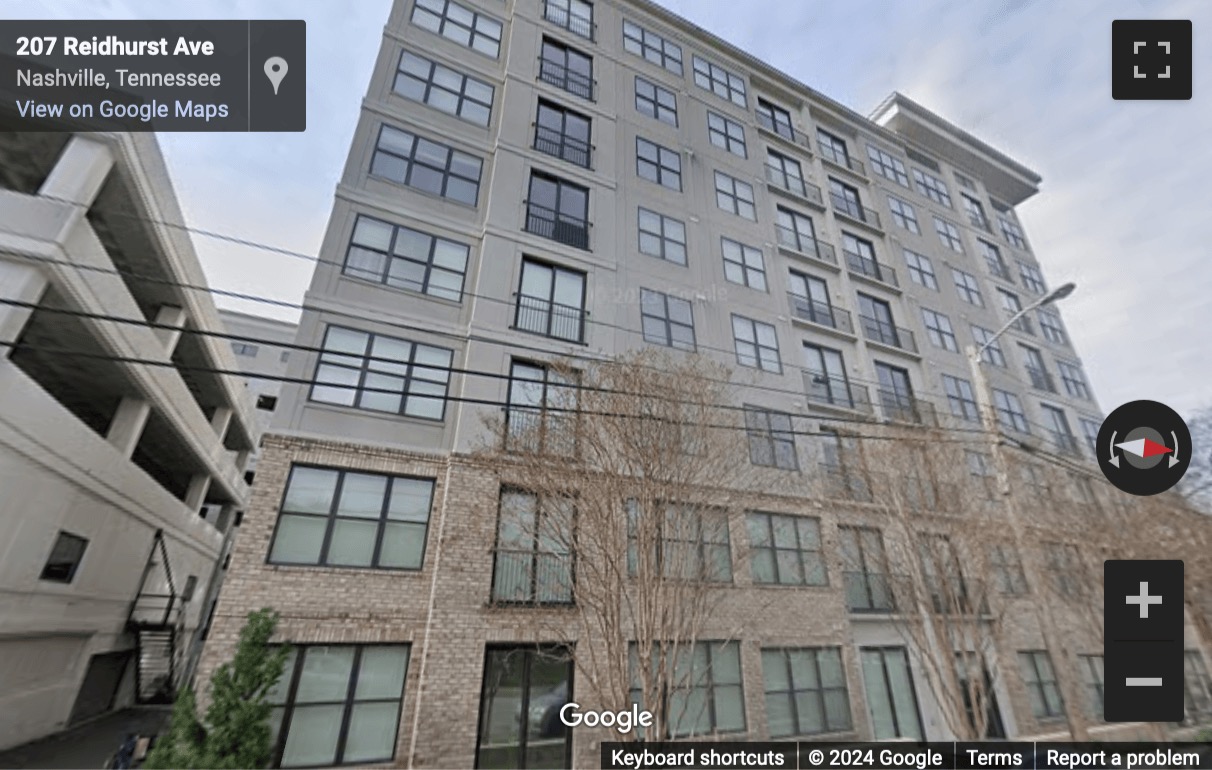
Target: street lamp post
[1077,725]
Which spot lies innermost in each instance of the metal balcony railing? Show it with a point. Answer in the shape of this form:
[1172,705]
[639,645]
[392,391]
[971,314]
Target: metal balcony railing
[551,319]
[879,330]
[794,185]
[841,159]
[559,75]
[549,223]
[1041,380]
[854,211]
[899,407]
[577,25]
[835,391]
[806,245]
[558,144]
[522,576]
[819,312]
[872,268]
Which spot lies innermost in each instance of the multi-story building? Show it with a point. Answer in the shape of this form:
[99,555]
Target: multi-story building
[534,180]
[121,451]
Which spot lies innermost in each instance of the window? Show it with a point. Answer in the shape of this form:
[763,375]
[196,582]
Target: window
[949,234]
[1035,477]
[796,231]
[65,557]
[1058,424]
[1033,279]
[876,317]
[756,344]
[338,518]
[244,349]
[771,440]
[1040,680]
[786,173]
[833,148]
[774,118]
[542,411]
[786,550]
[705,695]
[662,237]
[656,49]
[382,374]
[1012,306]
[284,357]
[267,403]
[941,573]
[658,164]
[731,194]
[551,301]
[576,16]
[890,695]
[445,89]
[403,258]
[1091,667]
[860,256]
[1037,369]
[842,464]
[1197,685]
[967,287]
[965,182]
[566,68]
[887,166]
[904,215]
[534,555]
[805,691]
[1074,379]
[562,133]
[938,329]
[1051,327]
[337,705]
[865,570]
[726,133]
[1014,235]
[524,689]
[743,264]
[932,187]
[846,200]
[666,320]
[1090,431]
[993,353]
[459,23]
[656,102]
[896,393]
[1010,412]
[1065,564]
[810,301]
[829,383]
[975,211]
[921,271]
[1008,575]
[980,468]
[960,398]
[993,258]
[724,84]
[685,543]
[558,209]
[421,164]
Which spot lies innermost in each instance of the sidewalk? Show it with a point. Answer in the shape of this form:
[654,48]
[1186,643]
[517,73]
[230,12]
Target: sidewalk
[89,745]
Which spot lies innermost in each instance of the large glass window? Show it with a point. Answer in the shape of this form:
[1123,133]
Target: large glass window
[833,147]
[975,211]
[785,172]
[1065,564]
[1051,327]
[967,287]
[1040,680]
[860,257]
[338,705]
[891,699]
[865,570]
[993,258]
[829,383]
[932,187]
[566,68]
[551,301]
[904,215]
[443,88]
[342,518]
[666,320]
[896,393]
[685,543]
[756,344]
[562,133]
[576,16]
[1091,667]
[743,264]
[949,234]
[775,118]
[523,691]
[404,258]
[1012,232]
[721,82]
[771,439]
[459,23]
[382,374]
[961,398]
[1198,686]
[658,164]
[653,47]
[726,133]
[938,329]
[842,463]
[992,352]
[786,550]
[796,231]
[810,301]
[735,196]
[558,209]
[921,270]
[705,695]
[1058,424]
[656,102]
[425,165]
[805,691]
[1033,279]
[1007,568]
[534,553]
[542,411]
[887,165]
[1010,412]
[1074,379]
[662,237]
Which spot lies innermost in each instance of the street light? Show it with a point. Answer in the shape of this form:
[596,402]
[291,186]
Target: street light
[1077,726]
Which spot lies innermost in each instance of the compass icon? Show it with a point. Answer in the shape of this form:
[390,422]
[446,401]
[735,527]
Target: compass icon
[1144,447]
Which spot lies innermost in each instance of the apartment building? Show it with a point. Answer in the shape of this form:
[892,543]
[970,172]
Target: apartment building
[121,451]
[532,181]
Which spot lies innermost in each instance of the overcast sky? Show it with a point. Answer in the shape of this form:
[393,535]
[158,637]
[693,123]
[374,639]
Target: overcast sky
[1124,208]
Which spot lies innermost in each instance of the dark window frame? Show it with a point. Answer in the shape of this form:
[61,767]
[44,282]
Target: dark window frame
[530,651]
[411,163]
[429,84]
[809,558]
[765,439]
[68,564]
[668,339]
[661,168]
[473,32]
[818,693]
[655,101]
[391,255]
[561,144]
[666,51]
[551,304]
[534,552]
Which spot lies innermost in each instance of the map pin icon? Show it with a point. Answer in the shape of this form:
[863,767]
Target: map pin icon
[275,70]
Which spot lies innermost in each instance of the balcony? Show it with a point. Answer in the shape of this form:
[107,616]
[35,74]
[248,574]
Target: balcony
[559,145]
[780,181]
[559,75]
[1041,380]
[577,25]
[855,212]
[841,159]
[899,407]
[785,133]
[831,391]
[801,245]
[885,333]
[524,576]
[871,268]
[821,313]
[839,483]
[551,319]
[549,223]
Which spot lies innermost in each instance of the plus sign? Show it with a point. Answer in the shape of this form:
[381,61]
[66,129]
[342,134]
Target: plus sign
[1144,600]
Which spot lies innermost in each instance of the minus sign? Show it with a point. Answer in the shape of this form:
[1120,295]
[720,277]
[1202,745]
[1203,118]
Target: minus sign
[1142,640]
[1143,681]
